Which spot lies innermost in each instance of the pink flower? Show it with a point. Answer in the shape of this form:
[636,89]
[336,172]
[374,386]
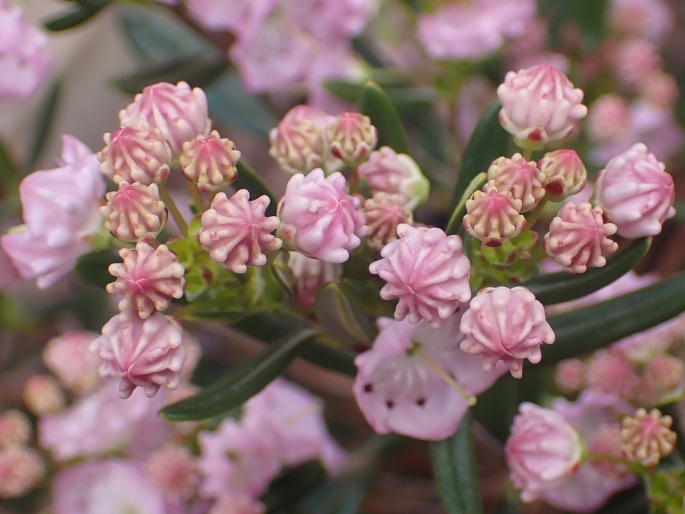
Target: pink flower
[636,193]
[173,470]
[236,504]
[608,371]
[539,106]
[179,112]
[635,61]
[351,137]
[563,172]
[24,59]
[236,232]
[146,353]
[237,16]
[61,215]
[416,381]
[383,214]
[608,118]
[660,89]
[310,275]
[578,238]
[318,218]
[493,216]
[506,325]
[426,269]
[67,356]
[569,375]
[542,451]
[21,469]
[209,161]
[521,178]
[42,394]
[330,22]
[652,19]
[15,428]
[135,212]
[148,279]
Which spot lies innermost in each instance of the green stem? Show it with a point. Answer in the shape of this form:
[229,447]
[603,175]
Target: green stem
[636,468]
[534,215]
[175,213]
[198,201]
[527,153]
[457,214]
[354,181]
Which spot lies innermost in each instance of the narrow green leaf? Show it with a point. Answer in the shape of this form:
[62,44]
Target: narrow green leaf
[488,141]
[291,486]
[404,98]
[46,116]
[74,17]
[241,383]
[340,316]
[93,267]
[250,180]
[561,287]
[10,174]
[589,328]
[374,102]
[455,473]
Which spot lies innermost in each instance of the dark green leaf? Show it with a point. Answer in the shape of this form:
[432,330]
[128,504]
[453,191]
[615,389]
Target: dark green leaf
[292,485]
[92,267]
[339,314]
[561,287]
[403,98]
[74,17]
[338,360]
[46,116]
[10,175]
[589,328]
[455,472]
[374,102]
[250,180]
[241,383]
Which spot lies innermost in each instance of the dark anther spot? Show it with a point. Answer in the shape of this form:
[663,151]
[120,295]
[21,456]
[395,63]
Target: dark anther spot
[389,404]
[368,388]
[421,402]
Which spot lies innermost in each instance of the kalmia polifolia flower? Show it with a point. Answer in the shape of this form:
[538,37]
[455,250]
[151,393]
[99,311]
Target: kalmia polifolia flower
[310,275]
[148,279]
[542,451]
[539,106]
[569,375]
[209,161]
[42,394]
[68,357]
[237,233]
[662,379]
[636,192]
[178,111]
[635,61]
[24,58]
[61,215]
[395,174]
[660,89]
[564,173]
[521,178]
[415,380]
[21,469]
[493,216]
[427,271]
[173,470]
[318,218]
[652,19]
[578,238]
[351,137]
[142,352]
[647,437]
[15,428]
[608,118]
[135,212]
[506,325]
[135,154]
[383,213]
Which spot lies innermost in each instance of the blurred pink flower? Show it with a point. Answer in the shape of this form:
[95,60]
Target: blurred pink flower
[173,470]
[608,118]
[42,394]
[652,19]
[15,428]
[21,469]
[634,61]
[236,504]
[309,276]
[237,16]
[68,357]
[330,22]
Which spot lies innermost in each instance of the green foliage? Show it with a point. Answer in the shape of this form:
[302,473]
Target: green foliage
[249,179]
[338,312]
[77,15]
[93,267]
[374,102]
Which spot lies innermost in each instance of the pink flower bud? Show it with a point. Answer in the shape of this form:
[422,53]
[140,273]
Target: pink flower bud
[660,89]
[43,395]
[395,174]
[310,275]
[67,356]
[351,137]
[135,212]
[569,375]
[147,279]
[135,154]
[209,161]
[236,231]
[578,238]
[542,452]
[15,428]
[539,106]
[663,375]
[647,438]
[236,504]
[564,173]
[521,178]
[608,371]
[383,213]
[179,112]
[21,469]
[146,353]
[608,118]
[506,325]
[426,269]
[493,216]
[173,470]
[299,141]
[318,218]
[635,61]
[636,192]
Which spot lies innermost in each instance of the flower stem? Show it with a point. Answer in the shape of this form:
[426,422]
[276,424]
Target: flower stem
[354,181]
[198,201]
[628,464]
[457,215]
[470,399]
[175,213]
[534,215]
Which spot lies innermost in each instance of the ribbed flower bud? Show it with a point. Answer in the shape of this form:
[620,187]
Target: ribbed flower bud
[309,276]
[21,469]
[209,161]
[146,353]
[351,137]
[67,356]
[426,269]
[569,375]
[298,143]
[15,428]
[506,325]
[521,178]
[608,118]
[648,438]
[383,213]
[578,238]
[493,216]
[148,279]
[135,212]
[539,106]
[135,154]
[43,395]
[636,192]
[237,233]
[564,173]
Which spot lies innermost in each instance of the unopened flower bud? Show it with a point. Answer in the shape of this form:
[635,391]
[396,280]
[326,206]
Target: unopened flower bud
[173,470]
[209,161]
[564,173]
[569,375]
[67,356]
[608,371]
[608,118]
[493,216]
[351,137]
[647,438]
[148,279]
[135,154]
[635,61]
[15,428]
[663,376]
[660,89]
[43,395]
[383,213]
[521,178]
[135,212]
[310,275]
[21,469]
[606,442]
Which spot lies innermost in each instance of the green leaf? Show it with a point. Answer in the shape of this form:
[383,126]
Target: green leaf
[76,16]
[454,468]
[93,267]
[589,328]
[488,142]
[374,102]
[46,116]
[404,98]
[241,383]
[250,180]
[561,287]
[340,316]
[292,486]
[10,174]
